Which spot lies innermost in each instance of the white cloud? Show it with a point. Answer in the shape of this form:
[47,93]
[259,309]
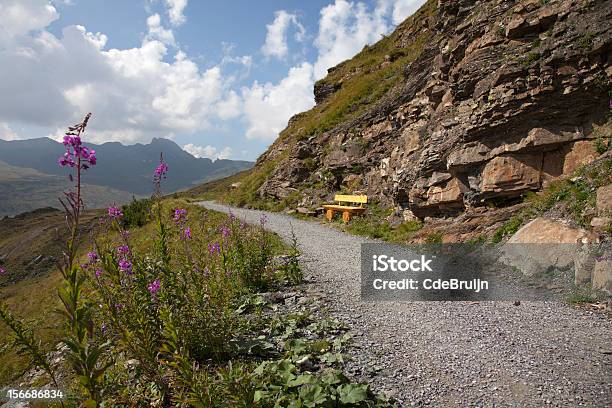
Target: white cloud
[268,107]
[135,94]
[175,11]
[158,32]
[6,133]
[404,8]
[208,151]
[344,28]
[19,17]
[276,38]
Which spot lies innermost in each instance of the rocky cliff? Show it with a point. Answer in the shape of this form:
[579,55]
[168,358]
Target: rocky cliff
[467,105]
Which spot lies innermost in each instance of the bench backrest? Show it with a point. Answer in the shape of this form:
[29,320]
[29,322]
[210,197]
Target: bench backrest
[359,199]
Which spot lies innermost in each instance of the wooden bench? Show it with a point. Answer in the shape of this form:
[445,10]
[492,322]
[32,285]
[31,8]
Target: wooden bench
[354,207]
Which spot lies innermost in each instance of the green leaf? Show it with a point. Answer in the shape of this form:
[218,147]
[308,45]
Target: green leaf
[352,393]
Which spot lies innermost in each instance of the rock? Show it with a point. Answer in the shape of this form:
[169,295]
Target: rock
[543,246]
[601,224]
[604,200]
[580,153]
[323,90]
[602,274]
[511,174]
[547,231]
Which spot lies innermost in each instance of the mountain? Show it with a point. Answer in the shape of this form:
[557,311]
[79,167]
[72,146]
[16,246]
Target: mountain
[23,189]
[127,168]
[462,110]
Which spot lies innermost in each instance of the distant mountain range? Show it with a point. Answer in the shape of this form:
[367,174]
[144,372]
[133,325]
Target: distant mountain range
[127,168]
[31,178]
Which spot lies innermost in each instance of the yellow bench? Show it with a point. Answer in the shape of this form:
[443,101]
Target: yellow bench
[356,206]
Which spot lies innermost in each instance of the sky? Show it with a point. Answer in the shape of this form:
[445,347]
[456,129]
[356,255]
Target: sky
[220,78]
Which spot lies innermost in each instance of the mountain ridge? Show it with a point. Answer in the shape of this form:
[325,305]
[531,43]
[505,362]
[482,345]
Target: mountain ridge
[123,167]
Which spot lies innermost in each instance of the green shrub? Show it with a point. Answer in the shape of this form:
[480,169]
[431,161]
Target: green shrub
[509,228]
[137,213]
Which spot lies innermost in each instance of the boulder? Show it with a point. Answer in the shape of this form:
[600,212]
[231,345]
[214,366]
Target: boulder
[604,200]
[544,245]
[602,274]
[601,224]
[547,231]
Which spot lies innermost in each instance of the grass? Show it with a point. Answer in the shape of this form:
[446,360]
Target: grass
[374,225]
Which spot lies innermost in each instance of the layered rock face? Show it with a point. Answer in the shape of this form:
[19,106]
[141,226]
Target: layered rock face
[503,98]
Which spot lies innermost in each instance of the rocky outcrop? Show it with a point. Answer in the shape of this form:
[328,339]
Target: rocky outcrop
[501,99]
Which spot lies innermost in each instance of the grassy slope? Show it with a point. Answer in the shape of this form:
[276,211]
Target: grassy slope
[23,189]
[366,78]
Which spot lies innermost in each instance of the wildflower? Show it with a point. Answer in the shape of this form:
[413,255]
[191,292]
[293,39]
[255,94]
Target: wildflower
[114,212]
[179,215]
[212,248]
[75,151]
[160,171]
[263,220]
[125,266]
[103,328]
[125,234]
[154,287]
[225,231]
[98,272]
[123,250]
[206,272]
[92,256]
[2,271]
[232,217]
[243,225]
[187,233]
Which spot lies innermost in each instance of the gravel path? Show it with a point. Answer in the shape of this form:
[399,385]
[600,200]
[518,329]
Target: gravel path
[455,353]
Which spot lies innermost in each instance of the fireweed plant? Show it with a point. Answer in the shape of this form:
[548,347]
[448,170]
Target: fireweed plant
[159,318]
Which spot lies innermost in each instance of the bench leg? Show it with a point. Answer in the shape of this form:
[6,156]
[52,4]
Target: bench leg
[346,216]
[329,214]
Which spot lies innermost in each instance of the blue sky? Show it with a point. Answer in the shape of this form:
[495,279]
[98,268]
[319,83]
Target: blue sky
[220,78]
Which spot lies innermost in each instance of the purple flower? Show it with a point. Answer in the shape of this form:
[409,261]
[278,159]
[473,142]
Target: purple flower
[160,171]
[180,215]
[123,250]
[114,212]
[212,248]
[92,256]
[187,233]
[154,287]
[232,217]
[98,272]
[74,151]
[2,271]
[125,234]
[263,220]
[225,231]
[206,272]
[103,328]
[125,266]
